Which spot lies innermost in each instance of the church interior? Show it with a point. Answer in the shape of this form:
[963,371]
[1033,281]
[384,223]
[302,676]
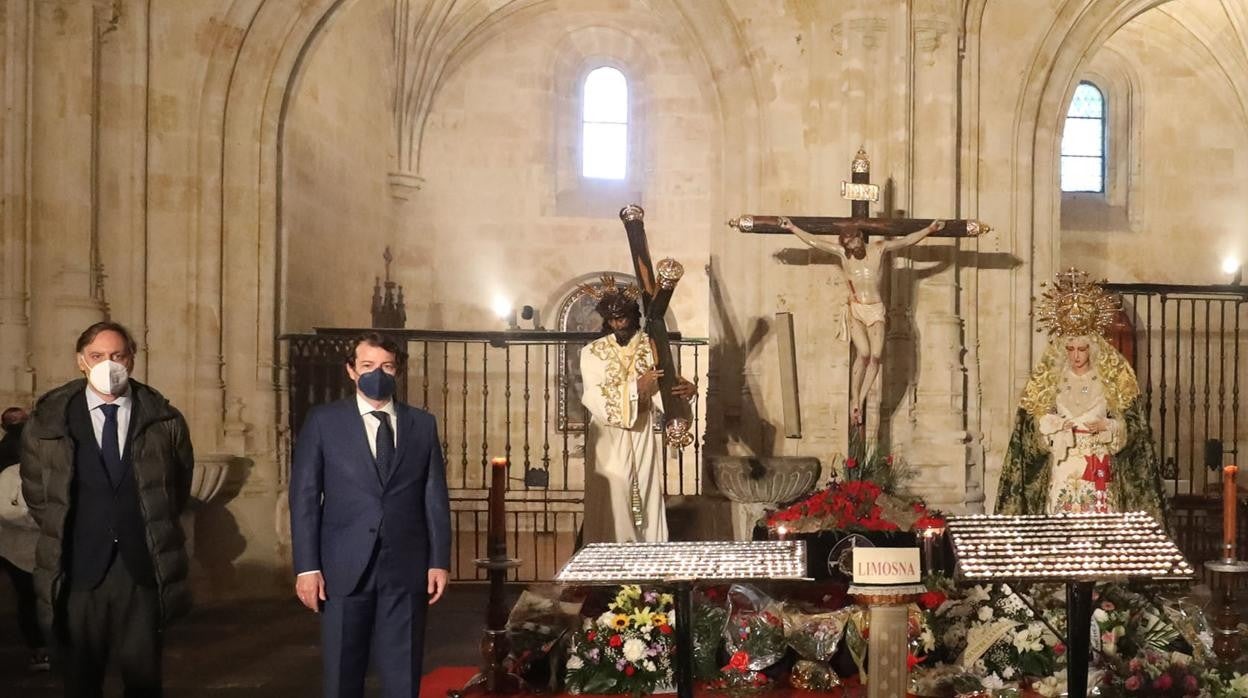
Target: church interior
[248,184]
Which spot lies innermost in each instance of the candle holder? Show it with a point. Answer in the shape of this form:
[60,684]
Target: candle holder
[1228,578]
[1077,549]
[1228,575]
[494,676]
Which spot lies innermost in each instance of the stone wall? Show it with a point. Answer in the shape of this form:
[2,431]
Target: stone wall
[216,173]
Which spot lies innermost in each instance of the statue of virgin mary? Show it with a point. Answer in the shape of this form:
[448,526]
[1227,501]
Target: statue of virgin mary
[1081,440]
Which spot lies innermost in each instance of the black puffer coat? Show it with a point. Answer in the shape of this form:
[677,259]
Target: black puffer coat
[162,464]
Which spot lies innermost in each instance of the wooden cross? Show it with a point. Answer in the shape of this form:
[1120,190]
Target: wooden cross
[868,339]
[860,192]
[656,294]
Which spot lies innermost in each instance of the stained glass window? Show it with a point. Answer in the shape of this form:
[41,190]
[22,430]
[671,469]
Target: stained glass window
[1083,141]
[604,125]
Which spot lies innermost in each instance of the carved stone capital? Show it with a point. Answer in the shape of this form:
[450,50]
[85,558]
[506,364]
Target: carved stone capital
[929,35]
[869,30]
[404,185]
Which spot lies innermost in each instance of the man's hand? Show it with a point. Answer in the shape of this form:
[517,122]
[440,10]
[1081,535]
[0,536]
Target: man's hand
[786,223]
[310,588]
[648,383]
[438,579]
[936,226]
[684,389]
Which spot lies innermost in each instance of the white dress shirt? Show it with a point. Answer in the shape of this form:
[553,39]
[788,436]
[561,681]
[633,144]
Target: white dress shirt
[123,402]
[372,424]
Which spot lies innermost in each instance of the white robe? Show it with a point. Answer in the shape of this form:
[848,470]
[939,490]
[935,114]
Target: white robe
[621,444]
[1081,401]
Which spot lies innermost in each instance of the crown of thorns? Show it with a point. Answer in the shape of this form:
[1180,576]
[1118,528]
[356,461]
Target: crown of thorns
[609,287]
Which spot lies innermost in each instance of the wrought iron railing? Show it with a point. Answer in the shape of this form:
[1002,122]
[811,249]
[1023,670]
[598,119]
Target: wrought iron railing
[514,394]
[1190,354]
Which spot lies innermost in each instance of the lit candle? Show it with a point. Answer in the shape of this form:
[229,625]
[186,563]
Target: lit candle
[1229,507]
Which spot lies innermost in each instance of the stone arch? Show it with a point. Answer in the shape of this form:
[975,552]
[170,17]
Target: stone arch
[1079,27]
[236,306]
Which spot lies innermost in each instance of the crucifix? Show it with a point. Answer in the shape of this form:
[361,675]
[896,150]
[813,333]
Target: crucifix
[862,319]
[657,285]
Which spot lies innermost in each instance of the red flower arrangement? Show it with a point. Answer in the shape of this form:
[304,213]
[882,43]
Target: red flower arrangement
[854,505]
[863,500]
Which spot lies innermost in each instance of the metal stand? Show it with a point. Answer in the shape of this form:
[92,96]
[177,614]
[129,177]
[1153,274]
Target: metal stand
[684,639]
[1075,549]
[494,678]
[1078,637]
[680,564]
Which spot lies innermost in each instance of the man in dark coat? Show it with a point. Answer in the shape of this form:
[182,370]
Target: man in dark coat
[370,525]
[106,471]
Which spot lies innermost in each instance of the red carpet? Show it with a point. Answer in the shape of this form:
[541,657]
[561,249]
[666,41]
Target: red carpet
[436,683]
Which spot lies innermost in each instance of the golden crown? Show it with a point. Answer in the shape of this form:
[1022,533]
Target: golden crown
[608,286]
[1075,306]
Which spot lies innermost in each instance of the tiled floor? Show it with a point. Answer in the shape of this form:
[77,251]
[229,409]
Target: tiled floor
[258,648]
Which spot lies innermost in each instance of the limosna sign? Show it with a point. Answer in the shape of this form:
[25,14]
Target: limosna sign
[886,566]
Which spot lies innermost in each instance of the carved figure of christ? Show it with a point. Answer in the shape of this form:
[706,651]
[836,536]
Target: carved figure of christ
[864,313]
[862,262]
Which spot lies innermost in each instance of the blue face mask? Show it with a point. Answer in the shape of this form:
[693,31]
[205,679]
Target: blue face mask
[377,384]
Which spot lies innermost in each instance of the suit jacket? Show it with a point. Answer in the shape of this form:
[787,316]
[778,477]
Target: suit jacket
[339,505]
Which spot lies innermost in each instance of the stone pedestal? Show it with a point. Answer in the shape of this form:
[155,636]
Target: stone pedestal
[213,471]
[889,643]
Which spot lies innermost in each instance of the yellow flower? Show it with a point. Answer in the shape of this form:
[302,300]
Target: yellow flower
[627,594]
[659,619]
[620,621]
[642,617]
[666,600]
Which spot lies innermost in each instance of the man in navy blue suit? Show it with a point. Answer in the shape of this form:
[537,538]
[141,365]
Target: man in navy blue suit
[370,525]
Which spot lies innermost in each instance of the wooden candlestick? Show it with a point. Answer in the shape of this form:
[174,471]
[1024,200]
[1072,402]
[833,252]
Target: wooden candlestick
[1230,506]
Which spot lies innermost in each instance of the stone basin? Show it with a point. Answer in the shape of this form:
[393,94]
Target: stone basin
[212,472]
[765,480]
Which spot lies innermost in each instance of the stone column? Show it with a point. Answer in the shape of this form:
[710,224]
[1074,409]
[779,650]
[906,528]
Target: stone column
[16,379]
[938,443]
[65,277]
[121,166]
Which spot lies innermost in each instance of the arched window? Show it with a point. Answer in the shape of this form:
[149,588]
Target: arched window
[604,125]
[1083,141]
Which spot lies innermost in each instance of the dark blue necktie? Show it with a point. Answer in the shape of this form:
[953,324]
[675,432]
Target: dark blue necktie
[384,444]
[110,448]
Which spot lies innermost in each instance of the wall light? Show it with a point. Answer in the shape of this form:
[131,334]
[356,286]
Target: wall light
[1233,267]
[501,306]
[505,311]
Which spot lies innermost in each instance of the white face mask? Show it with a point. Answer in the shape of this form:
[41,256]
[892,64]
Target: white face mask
[109,377]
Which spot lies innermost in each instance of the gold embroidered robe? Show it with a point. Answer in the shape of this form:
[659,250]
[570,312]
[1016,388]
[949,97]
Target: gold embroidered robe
[623,452]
